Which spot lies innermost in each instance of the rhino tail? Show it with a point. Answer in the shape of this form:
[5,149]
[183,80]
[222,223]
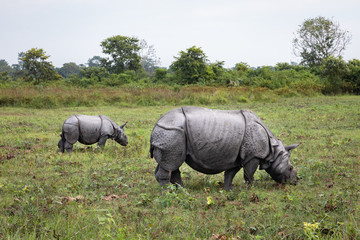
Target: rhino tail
[151,151]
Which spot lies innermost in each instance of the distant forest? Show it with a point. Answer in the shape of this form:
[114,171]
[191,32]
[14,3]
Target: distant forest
[132,62]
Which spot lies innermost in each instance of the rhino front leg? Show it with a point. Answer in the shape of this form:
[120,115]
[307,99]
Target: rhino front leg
[68,146]
[162,175]
[102,141]
[61,145]
[249,170]
[229,176]
[176,178]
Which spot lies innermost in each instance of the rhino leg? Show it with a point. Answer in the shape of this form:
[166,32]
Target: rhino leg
[249,170]
[61,145]
[68,146]
[102,141]
[162,175]
[228,177]
[176,178]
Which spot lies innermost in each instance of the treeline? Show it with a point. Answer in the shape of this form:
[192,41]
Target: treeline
[132,62]
[333,77]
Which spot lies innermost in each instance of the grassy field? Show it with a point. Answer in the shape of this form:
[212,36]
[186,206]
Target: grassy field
[113,194]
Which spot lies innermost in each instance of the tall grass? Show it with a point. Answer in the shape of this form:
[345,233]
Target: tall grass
[51,96]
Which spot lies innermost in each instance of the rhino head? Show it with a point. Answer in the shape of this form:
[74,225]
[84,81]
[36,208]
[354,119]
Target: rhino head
[119,135]
[281,169]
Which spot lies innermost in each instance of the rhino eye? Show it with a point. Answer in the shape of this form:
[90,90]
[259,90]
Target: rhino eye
[291,168]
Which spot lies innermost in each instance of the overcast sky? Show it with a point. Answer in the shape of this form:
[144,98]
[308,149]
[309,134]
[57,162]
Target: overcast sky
[258,32]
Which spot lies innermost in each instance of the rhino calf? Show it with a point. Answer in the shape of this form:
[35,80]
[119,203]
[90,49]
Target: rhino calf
[89,130]
[213,141]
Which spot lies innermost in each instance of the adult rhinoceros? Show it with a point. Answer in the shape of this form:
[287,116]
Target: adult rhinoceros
[89,130]
[212,141]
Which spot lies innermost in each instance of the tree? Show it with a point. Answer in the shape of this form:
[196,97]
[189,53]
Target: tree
[318,39]
[353,76]
[18,72]
[69,69]
[160,74]
[218,68]
[98,73]
[190,66]
[149,60]
[95,61]
[216,72]
[5,71]
[4,66]
[333,71]
[242,67]
[38,69]
[124,54]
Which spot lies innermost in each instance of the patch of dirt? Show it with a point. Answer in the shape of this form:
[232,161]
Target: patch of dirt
[6,156]
[111,197]
[71,199]
[254,198]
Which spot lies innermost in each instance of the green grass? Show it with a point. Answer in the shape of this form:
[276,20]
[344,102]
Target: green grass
[36,181]
[131,96]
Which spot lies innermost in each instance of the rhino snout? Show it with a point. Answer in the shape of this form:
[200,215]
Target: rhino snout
[293,177]
[123,142]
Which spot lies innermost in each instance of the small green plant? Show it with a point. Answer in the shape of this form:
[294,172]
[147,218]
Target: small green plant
[311,230]
[175,195]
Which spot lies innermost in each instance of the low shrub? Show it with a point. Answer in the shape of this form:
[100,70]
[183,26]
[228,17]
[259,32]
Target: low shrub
[137,95]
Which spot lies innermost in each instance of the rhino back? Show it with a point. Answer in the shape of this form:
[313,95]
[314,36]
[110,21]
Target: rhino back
[90,128]
[174,119]
[107,126]
[214,137]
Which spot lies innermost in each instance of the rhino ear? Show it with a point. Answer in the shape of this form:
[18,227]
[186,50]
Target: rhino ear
[122,126]
[291,147]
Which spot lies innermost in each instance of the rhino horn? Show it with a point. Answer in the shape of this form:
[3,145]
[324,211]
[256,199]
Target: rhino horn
[291,147]
[122,126]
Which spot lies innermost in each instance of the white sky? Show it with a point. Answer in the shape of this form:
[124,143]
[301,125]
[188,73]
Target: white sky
[258,32]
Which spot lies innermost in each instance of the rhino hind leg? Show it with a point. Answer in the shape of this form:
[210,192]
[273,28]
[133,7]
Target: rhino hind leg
[162,175]
[229,176]
[176,178]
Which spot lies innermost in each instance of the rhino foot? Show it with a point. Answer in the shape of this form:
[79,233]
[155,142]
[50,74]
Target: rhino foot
[176,178]
[68,146]
[162,175]
[229,176]
[61,145]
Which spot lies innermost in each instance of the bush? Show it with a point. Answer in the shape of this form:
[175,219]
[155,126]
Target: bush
[160,75]
[76,80]
[4,76]
[333,72]
[352,79]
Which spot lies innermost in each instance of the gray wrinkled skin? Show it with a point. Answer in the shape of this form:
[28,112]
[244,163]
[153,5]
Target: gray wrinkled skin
[213,141]
[89,130]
